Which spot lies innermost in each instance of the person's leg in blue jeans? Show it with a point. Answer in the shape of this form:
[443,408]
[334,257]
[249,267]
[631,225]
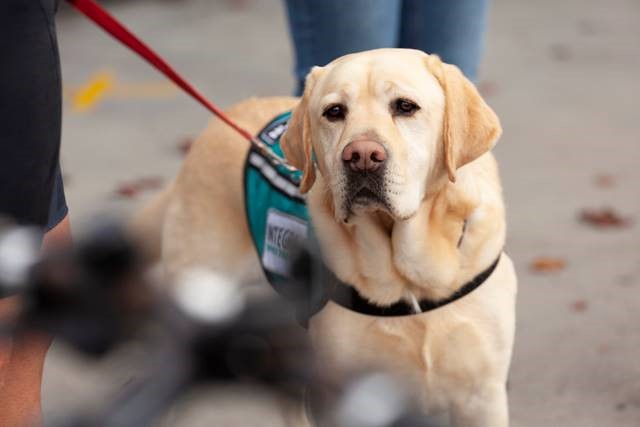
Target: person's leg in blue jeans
[323,30]
[453,29]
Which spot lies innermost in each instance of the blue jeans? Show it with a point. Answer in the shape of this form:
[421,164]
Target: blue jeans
[323,30]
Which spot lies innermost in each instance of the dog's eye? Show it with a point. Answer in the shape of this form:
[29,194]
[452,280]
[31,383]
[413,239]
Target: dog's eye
[404,107]
[335,112]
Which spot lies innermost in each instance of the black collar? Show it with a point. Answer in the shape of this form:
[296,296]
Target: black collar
[349,298]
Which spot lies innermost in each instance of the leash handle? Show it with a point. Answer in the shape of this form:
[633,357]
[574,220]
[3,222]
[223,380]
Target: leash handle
[111,25]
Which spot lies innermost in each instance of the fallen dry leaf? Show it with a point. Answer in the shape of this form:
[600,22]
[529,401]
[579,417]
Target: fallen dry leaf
[237,4]
[547,264]
[625,280]
[127,191]
[132,188]
[487,88]
[579,306]
[560,52]
[587,28]
[184,145]
[604,181]
[605,217]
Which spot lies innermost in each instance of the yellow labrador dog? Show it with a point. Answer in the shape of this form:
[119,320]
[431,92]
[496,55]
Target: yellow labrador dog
[406,204]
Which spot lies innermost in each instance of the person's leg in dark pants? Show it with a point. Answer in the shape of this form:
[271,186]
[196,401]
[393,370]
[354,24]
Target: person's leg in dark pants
[30,109]
[30,123]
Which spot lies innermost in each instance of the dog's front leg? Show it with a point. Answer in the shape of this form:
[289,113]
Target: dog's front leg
[486,407]
[466,367]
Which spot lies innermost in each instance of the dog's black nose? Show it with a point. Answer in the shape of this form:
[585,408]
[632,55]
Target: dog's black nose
[364,156]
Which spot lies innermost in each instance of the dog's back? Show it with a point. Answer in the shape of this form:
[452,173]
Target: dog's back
[208,196]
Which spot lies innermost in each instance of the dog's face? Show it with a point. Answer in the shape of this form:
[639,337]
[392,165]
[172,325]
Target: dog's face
[383,126]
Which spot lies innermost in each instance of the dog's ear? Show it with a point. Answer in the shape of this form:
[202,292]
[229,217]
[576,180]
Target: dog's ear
[296,141]
[471,127]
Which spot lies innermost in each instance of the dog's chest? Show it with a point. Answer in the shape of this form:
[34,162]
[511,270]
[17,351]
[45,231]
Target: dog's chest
[417,349]
[347,341]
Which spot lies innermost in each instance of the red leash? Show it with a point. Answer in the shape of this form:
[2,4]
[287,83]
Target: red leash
[102,18]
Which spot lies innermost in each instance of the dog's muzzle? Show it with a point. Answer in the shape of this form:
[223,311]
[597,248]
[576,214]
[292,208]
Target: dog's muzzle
[364,163]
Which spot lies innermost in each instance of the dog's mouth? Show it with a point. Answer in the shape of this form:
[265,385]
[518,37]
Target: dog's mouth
[365,195]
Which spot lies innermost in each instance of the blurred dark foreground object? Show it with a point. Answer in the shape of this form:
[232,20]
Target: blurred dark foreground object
[98,296]
[92,296]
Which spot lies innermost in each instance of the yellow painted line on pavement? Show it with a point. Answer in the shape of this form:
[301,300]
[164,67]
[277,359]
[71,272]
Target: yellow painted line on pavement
[90,94]
[103,85]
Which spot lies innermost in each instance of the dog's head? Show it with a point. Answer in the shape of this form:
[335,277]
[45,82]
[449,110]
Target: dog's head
[385,127]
